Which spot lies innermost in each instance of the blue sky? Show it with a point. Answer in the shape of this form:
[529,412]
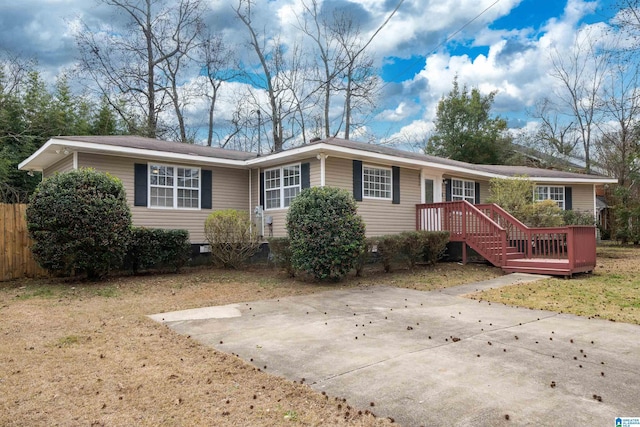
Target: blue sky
[503,49]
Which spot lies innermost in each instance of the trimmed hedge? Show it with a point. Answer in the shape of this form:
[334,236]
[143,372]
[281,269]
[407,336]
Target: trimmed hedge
[155,247]
[410,248]
[79,222]
[327,234]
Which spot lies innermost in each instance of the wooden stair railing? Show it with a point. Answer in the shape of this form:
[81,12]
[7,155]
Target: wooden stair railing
[508,243]
[465,223]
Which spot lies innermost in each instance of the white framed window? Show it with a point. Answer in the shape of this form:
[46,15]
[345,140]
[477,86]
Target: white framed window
[281,186]
[376,182]
[174,187]
[550,192]
[463,190]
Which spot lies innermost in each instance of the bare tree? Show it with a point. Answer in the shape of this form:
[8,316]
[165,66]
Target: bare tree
[581,73]
[127,65]
[618,149]
[359,81]
[218,65]
[269,68]
[554,135]
[188,28]
[344,66]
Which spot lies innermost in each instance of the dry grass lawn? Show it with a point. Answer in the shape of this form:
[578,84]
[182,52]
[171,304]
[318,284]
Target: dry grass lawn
[612,292]
[75,353]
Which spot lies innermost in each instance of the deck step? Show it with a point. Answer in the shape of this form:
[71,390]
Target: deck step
[537,270]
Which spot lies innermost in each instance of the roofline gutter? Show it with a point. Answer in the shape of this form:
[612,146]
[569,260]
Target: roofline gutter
[304,150]
[137,152]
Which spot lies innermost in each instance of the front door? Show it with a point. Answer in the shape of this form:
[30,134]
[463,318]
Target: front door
[428,190]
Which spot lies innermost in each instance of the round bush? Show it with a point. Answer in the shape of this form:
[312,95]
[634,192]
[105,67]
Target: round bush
[80,223]
[326,233]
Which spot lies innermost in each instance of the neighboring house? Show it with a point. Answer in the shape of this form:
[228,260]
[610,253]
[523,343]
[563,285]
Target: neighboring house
[174,185]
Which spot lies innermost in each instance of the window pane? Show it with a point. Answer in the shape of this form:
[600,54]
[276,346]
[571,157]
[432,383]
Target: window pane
[376,182]
[188,198]
[281,186]
[290,194]
[272,199]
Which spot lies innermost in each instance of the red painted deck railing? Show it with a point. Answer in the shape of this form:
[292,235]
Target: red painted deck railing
[465,223]
[492,229]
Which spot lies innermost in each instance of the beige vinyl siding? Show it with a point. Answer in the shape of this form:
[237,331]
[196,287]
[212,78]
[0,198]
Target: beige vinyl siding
[63,165]
[230,191]
[339,173]
[380,216]
[314,171]
[484,191]
[582,197]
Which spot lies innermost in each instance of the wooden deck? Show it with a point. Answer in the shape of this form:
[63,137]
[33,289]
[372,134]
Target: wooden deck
[507,243]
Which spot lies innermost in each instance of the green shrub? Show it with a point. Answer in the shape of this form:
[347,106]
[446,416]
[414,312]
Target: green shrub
[435,245]
[571,217]
[79,222]
[232,237]
[542,214]
[155,247]
[411,247]
[390,250]
[512,194]
[280,250]
[327,235]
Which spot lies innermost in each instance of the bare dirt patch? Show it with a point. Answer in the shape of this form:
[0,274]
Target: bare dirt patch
[86,354]
[611,292]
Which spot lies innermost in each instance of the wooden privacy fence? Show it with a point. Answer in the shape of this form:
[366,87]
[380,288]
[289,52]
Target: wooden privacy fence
[16,260]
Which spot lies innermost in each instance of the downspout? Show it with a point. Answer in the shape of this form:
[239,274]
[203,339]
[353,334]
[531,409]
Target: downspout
[250,205]
[75,160]
[322,157]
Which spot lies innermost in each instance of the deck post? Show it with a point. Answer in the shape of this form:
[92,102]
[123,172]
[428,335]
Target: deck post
[570,248]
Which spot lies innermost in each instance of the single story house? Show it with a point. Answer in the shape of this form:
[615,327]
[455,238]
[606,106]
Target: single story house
[174,185]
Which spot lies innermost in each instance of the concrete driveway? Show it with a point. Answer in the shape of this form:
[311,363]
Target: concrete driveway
[435,358]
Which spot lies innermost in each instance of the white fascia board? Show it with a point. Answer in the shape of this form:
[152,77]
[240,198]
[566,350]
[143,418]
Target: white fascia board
[355,153]
[24,164]
[413,163]
[91,147]
[594,181]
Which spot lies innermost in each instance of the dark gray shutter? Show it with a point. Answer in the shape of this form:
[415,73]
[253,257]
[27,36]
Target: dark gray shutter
[395,177]
[568,203]
[206,201]
[262,189]
[357,180]
[447,190]
[305,175]
[477,193]
[140,177]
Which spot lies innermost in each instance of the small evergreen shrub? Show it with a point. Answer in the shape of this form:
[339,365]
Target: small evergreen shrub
[410,248]
[280,250]
[327,235]
[545,213]
[155,247]
[390,250]
[435,243]
[578,218]
[79,222]
[232,237]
